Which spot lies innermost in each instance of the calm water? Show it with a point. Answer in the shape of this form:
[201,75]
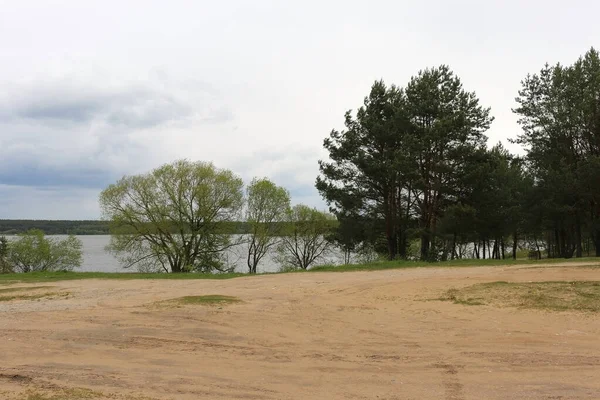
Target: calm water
[96,259]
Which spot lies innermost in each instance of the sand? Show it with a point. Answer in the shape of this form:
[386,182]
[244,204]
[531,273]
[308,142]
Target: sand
[359,335]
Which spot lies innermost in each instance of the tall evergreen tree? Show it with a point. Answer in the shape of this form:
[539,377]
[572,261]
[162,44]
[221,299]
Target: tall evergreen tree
[449,125]
[366,177]
[401,158]
[559,111]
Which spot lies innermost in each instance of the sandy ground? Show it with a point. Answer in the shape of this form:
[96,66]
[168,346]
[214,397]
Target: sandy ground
[360,335]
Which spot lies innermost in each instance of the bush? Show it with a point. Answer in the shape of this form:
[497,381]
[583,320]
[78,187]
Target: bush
[34,252]
[5,267]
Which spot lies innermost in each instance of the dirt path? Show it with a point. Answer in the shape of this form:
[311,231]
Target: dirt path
[360,335]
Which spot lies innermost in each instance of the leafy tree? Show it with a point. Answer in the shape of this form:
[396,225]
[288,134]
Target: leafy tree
[169,219]
[366,177]
[34,252]
[4,265]
[449,126]
[350,236]
[559,110]
[305,240]
[457,225]
[267,208]
[403,156]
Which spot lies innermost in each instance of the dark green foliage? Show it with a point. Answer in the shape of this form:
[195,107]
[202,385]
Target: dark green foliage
[363,181]
[559,111]
[13,227]
[412,165]
[91,227]
[401,161]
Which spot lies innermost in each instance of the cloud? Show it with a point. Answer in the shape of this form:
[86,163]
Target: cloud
[68,133]
[40,176]
[128,105]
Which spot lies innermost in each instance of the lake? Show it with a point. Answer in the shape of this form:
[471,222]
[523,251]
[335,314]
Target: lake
[97,259]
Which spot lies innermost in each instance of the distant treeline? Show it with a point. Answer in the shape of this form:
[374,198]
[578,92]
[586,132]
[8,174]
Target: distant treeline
[90,227]
[16,226]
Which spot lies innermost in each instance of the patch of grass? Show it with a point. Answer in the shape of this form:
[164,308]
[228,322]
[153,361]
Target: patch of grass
[207,300]
[33,296]
[24,289]
[34,277]
[399,264]
[455,296]
[64,394]
[76,394]
[553,296]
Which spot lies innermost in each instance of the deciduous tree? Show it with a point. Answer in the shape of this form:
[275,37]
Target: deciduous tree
[266,211]
[305,241]
[170,219]
[33,252]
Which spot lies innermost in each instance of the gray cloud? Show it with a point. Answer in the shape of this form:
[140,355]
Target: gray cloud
[129,107]
[61,109]
[59,133]
[36,174]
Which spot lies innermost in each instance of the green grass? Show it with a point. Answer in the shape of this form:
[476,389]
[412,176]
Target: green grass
[33,296]
[552,296]
[206,300]
[36,277]
[211,299]
[382,265]
[24,289]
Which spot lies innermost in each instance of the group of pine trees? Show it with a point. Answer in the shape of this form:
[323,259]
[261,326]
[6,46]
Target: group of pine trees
[413,168]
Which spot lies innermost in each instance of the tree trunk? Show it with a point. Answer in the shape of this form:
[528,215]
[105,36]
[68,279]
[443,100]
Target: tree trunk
[453,246]
[515,245]
[563,243]
[445,251]
[402,246]
[503,248]
[176,269]
[425,246]
[391,246]
[539,252]
[578,248]
[484,249]
[557,251]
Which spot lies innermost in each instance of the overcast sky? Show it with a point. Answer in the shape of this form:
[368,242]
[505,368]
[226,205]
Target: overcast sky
[94,90]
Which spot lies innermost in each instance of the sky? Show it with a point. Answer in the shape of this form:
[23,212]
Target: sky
[91,91]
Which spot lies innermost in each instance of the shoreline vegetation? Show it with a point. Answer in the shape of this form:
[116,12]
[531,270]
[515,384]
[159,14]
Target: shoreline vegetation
[87,227]
[34,277]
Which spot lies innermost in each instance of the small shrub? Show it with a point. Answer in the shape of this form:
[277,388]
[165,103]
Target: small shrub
[34,252]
